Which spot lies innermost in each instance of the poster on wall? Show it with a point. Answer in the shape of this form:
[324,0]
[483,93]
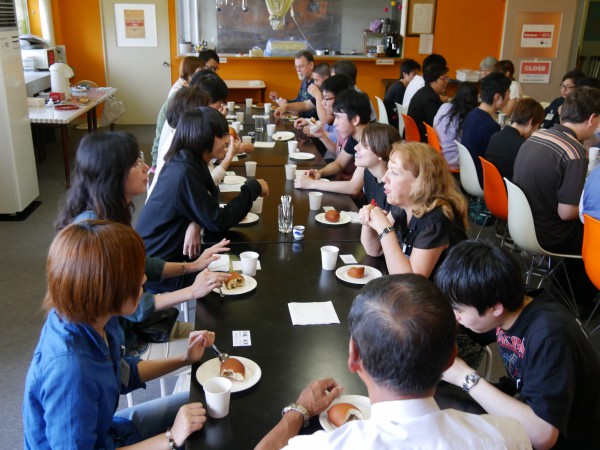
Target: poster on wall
[135,25]
[535,71]
[538,34]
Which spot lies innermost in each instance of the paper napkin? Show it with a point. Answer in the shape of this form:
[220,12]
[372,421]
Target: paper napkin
[237,265]
[315,313]
[264,144]
[220,265]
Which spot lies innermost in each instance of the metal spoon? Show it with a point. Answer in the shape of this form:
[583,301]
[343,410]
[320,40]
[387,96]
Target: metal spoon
[222,356]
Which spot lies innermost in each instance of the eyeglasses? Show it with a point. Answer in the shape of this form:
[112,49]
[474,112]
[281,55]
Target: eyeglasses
[445,78]
[566,87]
[141,161]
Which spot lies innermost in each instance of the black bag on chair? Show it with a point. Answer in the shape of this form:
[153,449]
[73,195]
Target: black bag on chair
[157,327]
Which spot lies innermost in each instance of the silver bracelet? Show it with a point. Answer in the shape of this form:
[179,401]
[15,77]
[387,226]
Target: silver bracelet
[298,408]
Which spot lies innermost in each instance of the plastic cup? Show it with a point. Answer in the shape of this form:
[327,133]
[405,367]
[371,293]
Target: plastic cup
[240,116]
[251,168]
[314,200]
[329,255]
[247,139]
[259,123]
[248,103]
[257,206]
[268,108]
[236,126]
[271,129]
[249,263]
[285,219]
[292,146]
[231,107]
[217,391]
[298,232]
[290,171]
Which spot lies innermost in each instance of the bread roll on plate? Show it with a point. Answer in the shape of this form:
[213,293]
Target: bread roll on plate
[340,413]
[356,272]
[233,369]
[332,216]
[235,280]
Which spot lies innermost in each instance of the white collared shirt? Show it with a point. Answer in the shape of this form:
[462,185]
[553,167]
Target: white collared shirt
[415,84]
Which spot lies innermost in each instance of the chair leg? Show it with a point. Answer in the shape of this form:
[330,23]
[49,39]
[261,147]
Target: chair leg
[129,400]
[186,313]
[163,387]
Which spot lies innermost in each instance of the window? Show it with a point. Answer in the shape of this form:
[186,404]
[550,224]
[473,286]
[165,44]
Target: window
[22,16]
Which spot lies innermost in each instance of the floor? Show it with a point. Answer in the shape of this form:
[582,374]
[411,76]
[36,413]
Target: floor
[22,284]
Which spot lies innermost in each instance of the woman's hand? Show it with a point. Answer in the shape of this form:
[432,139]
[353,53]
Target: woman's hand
[197,342]
[315,91]
[205,282]
[190,418]
[246,147]
[264,188]
[209,255]
[300,123]
[377,218]
[303,182]
[315,174]
[192,241]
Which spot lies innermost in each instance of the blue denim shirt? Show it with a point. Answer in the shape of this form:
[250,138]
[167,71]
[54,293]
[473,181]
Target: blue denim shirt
[73,385]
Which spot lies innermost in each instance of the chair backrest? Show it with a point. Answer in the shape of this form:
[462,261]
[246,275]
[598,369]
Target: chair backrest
[590,251]
[383,117]
[401,110]
[468,173]
[520,220]
[432,138]
[410,129]
[494,191]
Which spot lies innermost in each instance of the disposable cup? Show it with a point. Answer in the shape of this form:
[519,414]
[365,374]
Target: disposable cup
[290,171]
[298,232]
[292,146]
[329,255]
[267,108]
[247,139]
[240,116]
[314,200]
[251,168]
[271,129]
[217,391]
[249,263]
[231,107]
[236,126]
[248,103]
[257,206]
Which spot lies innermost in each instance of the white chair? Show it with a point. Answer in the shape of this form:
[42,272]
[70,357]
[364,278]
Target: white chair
[401,110]
[383,117]
[468,172]
[522,230]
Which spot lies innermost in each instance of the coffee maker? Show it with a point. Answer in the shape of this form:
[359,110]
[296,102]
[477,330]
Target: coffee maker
[393,45]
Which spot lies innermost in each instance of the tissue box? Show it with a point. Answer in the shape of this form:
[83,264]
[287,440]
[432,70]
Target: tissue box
[35,101]
[468,75]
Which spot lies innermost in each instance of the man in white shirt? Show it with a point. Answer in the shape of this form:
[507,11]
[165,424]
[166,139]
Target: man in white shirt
[403,335]
[418,82]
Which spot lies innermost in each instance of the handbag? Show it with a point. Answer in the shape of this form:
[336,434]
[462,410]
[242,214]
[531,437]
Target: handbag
[157,327]
[113,109]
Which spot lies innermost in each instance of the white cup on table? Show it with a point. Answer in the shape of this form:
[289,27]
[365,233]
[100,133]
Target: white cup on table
[236,126]
[248,103]
[247,139]
[314,200]
[329,255]
[268,108]
[240,116]
[271,129]
[292,146]
[231,107]
[257,206]
[249,263]
[217,391]
[290,171]
[251,168]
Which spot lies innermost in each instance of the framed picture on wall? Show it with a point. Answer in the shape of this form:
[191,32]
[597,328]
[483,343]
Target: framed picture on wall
[135,25]
[421,17]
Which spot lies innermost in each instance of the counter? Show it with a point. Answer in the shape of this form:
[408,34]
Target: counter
[36,82]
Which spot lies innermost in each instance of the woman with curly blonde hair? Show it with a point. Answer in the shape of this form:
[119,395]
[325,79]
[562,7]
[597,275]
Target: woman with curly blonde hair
[428,213]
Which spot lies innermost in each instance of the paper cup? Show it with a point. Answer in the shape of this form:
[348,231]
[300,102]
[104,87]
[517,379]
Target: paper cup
[231,107]
[249,263]
[292,146]
[329,255]
[236,126]
[247,139]
[257,206]
[251,168]
[240,116]
[290,171]
[314,200]
[271,129]
[217,391]
[248,103]
[267,108]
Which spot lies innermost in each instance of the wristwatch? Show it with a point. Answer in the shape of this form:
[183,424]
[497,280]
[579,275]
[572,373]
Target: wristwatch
[471,380]
[298,408]
[385,231]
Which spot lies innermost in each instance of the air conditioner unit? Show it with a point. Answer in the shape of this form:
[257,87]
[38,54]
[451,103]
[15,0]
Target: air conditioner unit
[18,175]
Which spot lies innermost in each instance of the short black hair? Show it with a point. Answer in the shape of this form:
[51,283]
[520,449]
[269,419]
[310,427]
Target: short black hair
[574,75]
[183,100]
[323,69]
[405,332]
[434,58]
[481,274]
[336,84]
[580,104]
[306,54]
[347,68]
[206,55]
[353,103]
[589,82]
[212,84]
[492,84]
[407,66]
[433,72]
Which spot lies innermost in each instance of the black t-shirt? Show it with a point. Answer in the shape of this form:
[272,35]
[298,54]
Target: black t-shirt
[395,94]
[423,107]
[552,117]
[503,148]
[556,371]
[374,190]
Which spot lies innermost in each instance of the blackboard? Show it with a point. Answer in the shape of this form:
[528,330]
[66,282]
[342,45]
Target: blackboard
[319,20]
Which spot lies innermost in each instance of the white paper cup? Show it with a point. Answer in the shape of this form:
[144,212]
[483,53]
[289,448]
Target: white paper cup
[249,263]
[290,171]
[292,146]
[247,139]
[314,200]
[240,116]
[271,129]
[251,168]
[236,126]
[248,103]
[231,107]
[267,108]
[329,255]
[257,206]
[217,391]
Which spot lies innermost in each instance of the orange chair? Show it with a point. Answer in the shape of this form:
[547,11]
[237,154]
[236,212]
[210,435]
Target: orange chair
[432,138]
[411,132]
[494,192]
[590,252]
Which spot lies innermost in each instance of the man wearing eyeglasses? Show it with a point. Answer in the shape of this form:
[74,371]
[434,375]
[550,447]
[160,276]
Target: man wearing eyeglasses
[304,103]
[210,58]
[426,102]
[567,85]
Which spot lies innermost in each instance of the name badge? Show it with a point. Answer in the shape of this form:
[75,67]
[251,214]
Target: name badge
[549,116]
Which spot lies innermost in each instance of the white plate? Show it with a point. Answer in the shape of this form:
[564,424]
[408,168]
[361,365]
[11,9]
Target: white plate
[301,156]
[360,401]
[212,368]
[250,218]
[234,179]
[370,274]
[283,136]
[344,219]
[248,286]
[231,117]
